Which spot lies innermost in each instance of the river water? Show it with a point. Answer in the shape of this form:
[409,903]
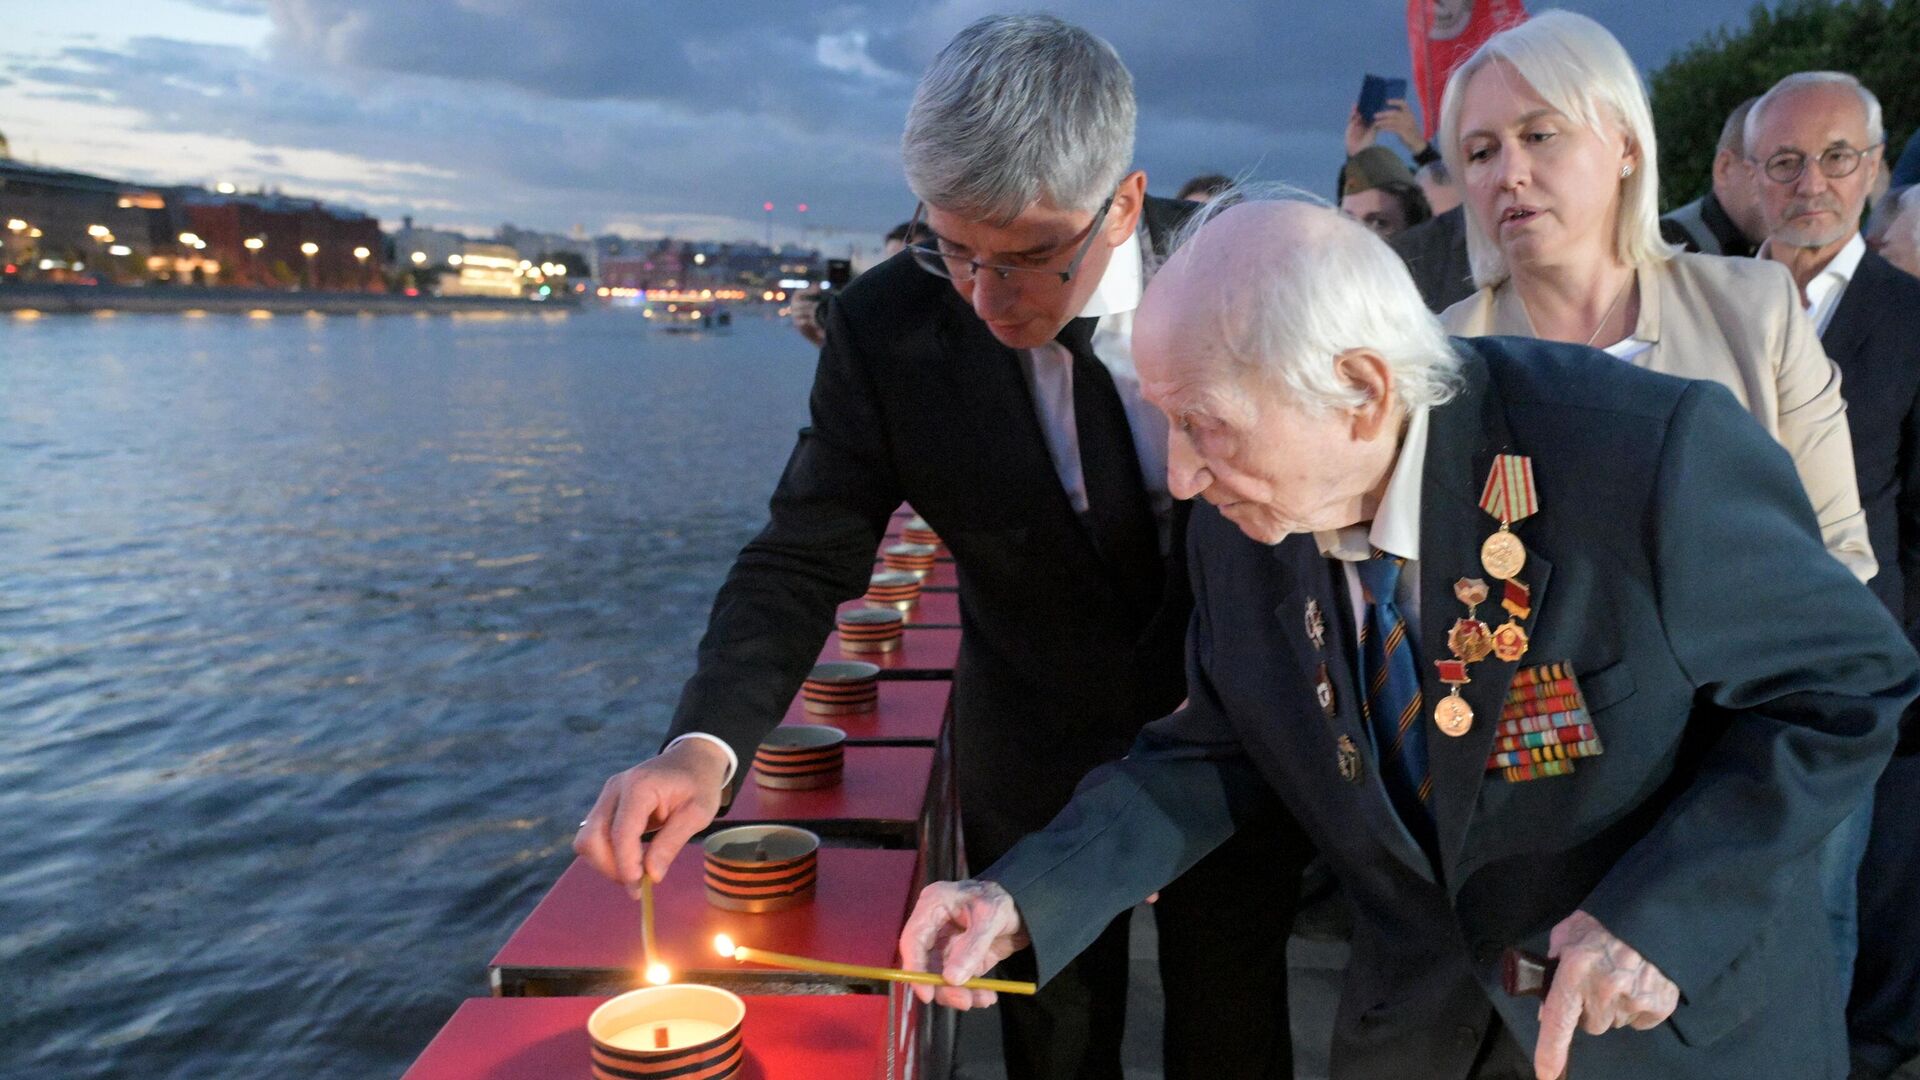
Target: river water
[317,636]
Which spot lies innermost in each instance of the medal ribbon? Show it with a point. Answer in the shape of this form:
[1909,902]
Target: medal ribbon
[1509,494]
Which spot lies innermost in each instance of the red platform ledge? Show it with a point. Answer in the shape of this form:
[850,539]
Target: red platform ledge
[910,713]
[880,799]
[546,1039]
[925,652]
[584,935]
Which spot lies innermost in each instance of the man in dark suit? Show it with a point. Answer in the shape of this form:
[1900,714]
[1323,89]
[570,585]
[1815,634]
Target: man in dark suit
[1818,140]
[957,377]
[1435,252]
[1726,220]
[1632,773]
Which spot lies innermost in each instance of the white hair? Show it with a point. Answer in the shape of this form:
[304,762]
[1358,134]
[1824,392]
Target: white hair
[1581,70]
[1019,108]
[1801,80]
[1290,308]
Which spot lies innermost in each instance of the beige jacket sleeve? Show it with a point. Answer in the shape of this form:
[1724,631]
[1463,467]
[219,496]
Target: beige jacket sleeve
[1813,428]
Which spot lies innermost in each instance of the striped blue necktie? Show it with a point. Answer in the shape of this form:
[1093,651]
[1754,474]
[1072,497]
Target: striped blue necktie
[1392,697]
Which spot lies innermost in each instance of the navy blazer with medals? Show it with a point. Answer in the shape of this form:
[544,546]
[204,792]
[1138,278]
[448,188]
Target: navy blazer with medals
[1744,685]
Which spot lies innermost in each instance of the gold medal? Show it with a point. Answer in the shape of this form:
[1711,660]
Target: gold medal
[1510,641]
[1503,554]
[1453,715]
[1470,640]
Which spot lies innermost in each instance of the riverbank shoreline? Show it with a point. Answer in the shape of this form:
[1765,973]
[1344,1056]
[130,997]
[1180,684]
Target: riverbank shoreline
[89,299]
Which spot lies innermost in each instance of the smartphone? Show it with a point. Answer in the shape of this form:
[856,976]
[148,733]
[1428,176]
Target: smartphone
[839,272]
[1376,91]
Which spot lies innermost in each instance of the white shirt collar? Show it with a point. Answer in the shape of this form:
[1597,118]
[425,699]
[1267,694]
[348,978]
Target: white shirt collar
[1396,524]
[1120,287]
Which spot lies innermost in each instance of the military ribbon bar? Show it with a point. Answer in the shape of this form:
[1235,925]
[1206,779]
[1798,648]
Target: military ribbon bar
[1509,494]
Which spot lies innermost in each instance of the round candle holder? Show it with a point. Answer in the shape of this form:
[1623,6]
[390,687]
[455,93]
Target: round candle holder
[841,688]
[684,1031]
[915,557]
[799,757]
[917,531]
[761,868]
[870,630]
[895,589]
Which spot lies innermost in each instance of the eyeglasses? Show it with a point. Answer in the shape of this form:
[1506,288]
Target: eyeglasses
[959,268]
[1836,162]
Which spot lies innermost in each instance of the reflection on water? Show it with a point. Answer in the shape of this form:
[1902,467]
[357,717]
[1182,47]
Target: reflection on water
[317,635]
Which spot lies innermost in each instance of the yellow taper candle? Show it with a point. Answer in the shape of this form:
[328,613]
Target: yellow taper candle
[657,972]
[861,971]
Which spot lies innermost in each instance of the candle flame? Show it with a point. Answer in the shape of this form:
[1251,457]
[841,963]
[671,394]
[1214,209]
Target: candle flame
[658,974]
[724,945]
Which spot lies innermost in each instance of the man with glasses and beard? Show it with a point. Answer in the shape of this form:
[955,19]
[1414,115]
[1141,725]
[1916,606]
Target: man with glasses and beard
[986,377]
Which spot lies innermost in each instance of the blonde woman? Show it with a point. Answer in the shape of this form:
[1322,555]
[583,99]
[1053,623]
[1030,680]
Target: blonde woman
[1548,130]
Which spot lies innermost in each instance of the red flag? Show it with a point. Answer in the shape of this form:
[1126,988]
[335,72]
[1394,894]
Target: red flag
[1441,34]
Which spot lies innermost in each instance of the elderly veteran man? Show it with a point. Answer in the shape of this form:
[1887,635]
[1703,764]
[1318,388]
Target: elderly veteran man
[988,379]
[1541,650]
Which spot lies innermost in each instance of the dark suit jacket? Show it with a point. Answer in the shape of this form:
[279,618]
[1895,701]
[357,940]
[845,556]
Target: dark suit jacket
[915,400]
[1874,339]
[1745,687]
[1435,252]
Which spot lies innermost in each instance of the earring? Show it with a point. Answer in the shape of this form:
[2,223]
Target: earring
[1626,170]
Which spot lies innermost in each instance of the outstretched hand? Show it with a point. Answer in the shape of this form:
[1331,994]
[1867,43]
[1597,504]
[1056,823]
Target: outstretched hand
[677,793]
[966,927]
[1602,983]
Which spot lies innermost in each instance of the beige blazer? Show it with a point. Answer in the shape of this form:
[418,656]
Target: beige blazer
[1737,322]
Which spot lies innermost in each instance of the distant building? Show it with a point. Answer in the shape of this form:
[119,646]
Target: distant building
[61,224]
[483,270]
[275,241]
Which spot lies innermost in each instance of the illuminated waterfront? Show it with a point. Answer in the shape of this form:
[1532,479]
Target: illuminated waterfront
[316,636]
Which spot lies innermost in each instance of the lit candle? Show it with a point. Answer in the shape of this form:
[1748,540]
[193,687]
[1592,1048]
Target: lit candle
[665,1035]
[667,1030]
[726,947]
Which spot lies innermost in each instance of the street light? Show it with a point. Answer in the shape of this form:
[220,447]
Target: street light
[253,244]
[16,225]
[98,231]
[310,249]
[419,258]
[190,239]
[361,253]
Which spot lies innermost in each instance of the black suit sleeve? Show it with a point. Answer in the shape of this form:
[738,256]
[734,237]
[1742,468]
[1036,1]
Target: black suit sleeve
[1803,665]
[1138,823]
[1907,509]
[828,514]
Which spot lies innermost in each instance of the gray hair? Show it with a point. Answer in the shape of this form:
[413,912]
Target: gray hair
[1019,108]
[1733,133]
[1293,307]
[1581,70]
[1801,80]
[1435,172]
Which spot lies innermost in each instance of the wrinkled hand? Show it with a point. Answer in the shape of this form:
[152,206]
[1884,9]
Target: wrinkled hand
[1602,984]
[1395,117]
[804,309]
[677,793]
[1360,135]
[969,926]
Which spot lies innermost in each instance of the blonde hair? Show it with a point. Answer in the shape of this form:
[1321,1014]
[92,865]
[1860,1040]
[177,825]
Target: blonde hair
[1581,70]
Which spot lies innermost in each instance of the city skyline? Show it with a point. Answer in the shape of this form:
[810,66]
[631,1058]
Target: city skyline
[616,117]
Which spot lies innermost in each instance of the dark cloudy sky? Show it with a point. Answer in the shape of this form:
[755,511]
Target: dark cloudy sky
[650,117]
